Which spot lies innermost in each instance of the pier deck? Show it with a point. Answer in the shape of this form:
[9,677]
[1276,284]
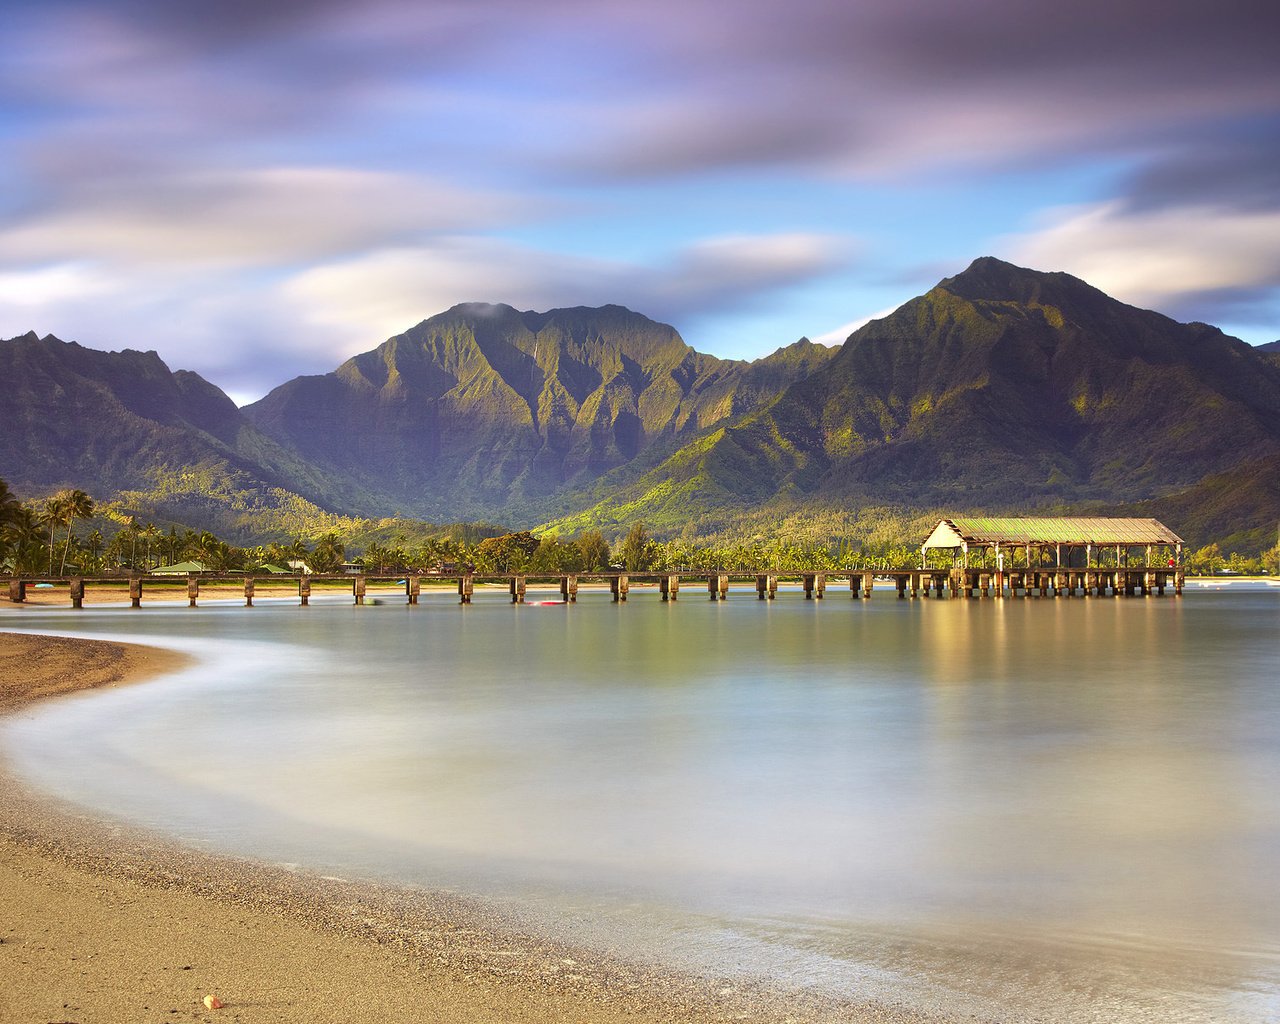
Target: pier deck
[905,584]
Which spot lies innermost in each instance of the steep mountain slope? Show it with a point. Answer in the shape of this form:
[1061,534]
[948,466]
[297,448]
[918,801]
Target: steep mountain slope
[1271,350]
[486,410]
[1001,387]
[106,422]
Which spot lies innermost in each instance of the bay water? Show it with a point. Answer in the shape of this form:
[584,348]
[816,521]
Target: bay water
[1056,808]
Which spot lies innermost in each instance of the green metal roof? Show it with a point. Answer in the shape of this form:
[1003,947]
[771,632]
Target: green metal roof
[1049,530]
[177,569]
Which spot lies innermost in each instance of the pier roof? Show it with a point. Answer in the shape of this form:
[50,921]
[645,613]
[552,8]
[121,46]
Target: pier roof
[969,531]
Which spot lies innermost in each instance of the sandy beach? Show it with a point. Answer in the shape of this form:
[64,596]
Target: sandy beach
[105,924]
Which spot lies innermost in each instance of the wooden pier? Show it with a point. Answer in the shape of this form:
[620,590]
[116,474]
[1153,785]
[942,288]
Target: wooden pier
[1061,557]
[904,584]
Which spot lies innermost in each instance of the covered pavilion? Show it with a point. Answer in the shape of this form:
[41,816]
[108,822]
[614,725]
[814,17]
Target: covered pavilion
[1059,542]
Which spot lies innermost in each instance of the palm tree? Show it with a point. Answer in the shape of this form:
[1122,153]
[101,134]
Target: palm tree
[187,547]
[9,503]
[78,506]
[21,536]
[94,542]
[328,554]
[216,555]
[52,512]
[130,531]
[149,533]
[208,549]
[9,507]
[169,545]
[376,557]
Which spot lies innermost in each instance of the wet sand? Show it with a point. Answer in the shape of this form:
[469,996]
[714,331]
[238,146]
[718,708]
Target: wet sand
[102,923]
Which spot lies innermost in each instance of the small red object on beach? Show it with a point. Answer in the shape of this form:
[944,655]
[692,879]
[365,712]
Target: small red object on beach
[213,1002]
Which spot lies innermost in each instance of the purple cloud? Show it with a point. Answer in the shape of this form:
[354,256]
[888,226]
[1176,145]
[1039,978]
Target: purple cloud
[215,166]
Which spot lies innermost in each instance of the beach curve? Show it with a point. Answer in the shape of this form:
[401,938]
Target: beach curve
[105,922]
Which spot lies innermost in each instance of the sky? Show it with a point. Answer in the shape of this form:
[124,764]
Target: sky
[258,189]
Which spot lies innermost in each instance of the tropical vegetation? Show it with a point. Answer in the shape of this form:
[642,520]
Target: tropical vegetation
[68,533]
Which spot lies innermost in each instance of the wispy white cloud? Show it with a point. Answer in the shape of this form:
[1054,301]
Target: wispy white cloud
[39,289]
[246,217]
[248,183]
[839,335]
[391,289]
[248,333]
[1156,257]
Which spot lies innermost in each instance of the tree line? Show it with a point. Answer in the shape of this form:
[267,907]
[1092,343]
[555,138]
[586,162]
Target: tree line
[41,538]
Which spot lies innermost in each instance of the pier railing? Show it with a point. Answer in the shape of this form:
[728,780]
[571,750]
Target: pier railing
[905,584]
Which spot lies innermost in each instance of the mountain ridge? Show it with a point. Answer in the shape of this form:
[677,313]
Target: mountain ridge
[511,406]
[118,422]
[1000,388]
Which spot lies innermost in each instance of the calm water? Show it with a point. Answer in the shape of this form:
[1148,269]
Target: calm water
[1058,807]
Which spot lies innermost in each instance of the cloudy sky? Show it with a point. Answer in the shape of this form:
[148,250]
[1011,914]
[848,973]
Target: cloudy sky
[260,188]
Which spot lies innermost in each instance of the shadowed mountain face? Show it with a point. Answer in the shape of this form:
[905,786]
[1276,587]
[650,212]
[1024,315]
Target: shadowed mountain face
[999,387]
[485,409]
[111,421]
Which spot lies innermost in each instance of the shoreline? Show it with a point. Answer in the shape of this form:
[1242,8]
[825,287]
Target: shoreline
[108,922]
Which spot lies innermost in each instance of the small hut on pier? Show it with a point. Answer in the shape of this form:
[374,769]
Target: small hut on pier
[1077,543]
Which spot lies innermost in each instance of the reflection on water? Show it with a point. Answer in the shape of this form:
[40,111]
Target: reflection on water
[998,807]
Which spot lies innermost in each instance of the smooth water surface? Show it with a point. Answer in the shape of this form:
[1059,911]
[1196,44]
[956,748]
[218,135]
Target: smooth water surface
[1059,807]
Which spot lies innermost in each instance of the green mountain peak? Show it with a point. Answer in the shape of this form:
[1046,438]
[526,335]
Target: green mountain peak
[1001,389]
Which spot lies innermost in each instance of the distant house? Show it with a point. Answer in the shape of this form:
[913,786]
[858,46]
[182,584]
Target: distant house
[178,569]
[274,570]
[298,565]
[1057,541]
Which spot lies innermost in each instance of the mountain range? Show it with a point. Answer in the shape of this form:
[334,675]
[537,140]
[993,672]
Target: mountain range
[487,411]
[1000,389]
